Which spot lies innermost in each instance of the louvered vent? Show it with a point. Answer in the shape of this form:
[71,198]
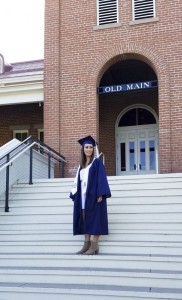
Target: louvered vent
[107,12]
[143,9]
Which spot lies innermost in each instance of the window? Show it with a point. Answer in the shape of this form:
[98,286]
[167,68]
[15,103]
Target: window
[143,9]
[41,138]
[137,116]
[20,135]
[41,135]
[107,12]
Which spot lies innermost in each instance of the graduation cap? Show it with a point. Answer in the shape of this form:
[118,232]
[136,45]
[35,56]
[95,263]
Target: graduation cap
[87,140]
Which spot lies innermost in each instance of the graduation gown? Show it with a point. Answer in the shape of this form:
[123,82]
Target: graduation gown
[96,220]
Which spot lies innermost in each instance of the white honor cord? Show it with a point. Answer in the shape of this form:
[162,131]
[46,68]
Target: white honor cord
[74,188]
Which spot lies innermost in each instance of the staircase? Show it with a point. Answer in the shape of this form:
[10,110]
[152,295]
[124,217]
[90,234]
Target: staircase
[141,259]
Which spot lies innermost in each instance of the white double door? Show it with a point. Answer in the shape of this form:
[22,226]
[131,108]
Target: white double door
[137,150]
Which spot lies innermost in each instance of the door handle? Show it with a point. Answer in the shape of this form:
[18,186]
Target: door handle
[135,166]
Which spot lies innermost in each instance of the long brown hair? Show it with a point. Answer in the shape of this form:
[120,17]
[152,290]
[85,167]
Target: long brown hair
[83,158]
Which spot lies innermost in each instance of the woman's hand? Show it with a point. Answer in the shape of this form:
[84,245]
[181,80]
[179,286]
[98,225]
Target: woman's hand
[99,199]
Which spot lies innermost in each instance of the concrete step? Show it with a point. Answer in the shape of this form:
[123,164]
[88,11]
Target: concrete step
[32,200]
[112,209]
[115,193]
[48,223]
[142,179]
[33,291]
[115,197]
[86,276]
[115,235]
[58,187]
[112,262]
[106,247]
[28,217]
[150,178]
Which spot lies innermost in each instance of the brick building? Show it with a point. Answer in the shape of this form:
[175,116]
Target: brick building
[21,100]
[101,57]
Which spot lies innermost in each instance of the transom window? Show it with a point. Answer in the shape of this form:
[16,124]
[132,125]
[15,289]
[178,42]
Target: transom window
[137,116]
[107,12]
[143,9]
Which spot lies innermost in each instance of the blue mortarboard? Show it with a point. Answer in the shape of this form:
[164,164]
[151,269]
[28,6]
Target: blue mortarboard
[87,140]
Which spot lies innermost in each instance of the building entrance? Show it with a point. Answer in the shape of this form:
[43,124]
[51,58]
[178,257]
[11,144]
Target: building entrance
[137,143]
[128,93]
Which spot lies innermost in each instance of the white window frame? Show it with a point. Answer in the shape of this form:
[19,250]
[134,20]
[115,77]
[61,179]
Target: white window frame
[133,12]
[107,24]
[20,131]
[39,131]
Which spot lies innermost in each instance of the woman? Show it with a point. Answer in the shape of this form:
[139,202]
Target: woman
[89,195]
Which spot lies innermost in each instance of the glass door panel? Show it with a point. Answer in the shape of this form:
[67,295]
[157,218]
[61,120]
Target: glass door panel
[123,156]
[152,155]
[132,162]
[142,153]
[127,157]
[147,155]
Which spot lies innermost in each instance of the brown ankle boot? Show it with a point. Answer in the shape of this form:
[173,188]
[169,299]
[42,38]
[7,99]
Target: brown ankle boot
[94,249]
[85,247]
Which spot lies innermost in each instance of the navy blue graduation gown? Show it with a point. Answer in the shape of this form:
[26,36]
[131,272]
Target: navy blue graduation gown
[96,220]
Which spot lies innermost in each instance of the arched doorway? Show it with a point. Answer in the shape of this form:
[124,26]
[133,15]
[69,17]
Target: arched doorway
[125,87]
[137,141]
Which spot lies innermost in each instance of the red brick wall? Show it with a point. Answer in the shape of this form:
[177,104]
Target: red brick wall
[18,116]
[52,74]
[76,56]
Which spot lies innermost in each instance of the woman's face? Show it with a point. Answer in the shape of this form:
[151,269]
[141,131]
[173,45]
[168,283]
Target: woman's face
[88,150]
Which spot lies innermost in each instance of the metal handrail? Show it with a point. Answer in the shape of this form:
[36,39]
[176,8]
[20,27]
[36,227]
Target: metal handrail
[50,150]
[22,143]
[9,163]
[28,144]
[35,142]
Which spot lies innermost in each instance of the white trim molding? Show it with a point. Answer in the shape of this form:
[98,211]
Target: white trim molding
[23,84]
